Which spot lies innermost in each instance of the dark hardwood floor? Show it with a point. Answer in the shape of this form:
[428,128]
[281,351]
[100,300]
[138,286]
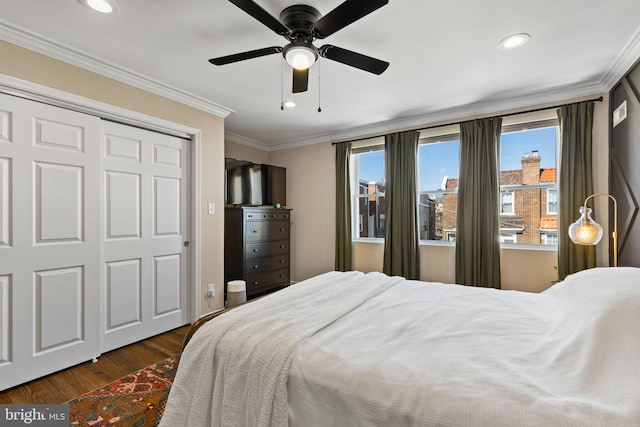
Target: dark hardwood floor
[77,380]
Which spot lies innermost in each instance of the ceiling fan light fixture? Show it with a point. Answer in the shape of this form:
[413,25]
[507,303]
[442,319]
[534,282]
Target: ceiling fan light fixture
[514,41]
[289,103]
[300,56]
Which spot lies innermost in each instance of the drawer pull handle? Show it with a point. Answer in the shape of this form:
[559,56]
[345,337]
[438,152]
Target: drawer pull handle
[281,246]
[282,275]
[255,231]
[255,267]
[255,250]
[281,261]
[282,229]
[255,283]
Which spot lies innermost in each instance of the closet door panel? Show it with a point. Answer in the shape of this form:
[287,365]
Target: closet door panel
[49,239]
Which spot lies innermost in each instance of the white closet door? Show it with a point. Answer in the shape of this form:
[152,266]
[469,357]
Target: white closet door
[145,210]
[49,239]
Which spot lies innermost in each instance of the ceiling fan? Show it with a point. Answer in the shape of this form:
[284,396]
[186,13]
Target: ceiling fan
[301,25]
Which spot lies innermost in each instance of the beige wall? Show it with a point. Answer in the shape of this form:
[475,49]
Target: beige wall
[243,152]
[26,65]
[311,194]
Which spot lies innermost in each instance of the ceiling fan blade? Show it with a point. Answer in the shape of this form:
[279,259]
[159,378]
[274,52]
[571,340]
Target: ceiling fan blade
[300,80]
[353,59]
[346,13]
[223,60]
[261,15]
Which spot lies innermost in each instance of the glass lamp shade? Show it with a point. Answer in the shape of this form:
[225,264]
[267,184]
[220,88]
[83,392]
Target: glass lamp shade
[585,231]
[300,57]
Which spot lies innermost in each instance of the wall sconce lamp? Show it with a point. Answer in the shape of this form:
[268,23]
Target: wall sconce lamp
[585,231]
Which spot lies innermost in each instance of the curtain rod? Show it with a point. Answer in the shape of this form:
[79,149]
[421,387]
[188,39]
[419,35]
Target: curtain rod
[599,99]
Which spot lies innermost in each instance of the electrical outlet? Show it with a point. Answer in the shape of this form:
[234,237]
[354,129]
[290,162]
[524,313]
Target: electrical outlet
[211,290]
[212,208]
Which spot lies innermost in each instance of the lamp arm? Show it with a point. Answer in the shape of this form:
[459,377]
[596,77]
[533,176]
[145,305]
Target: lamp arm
[614,234]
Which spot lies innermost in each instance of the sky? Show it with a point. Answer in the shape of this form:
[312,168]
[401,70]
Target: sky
[438,160]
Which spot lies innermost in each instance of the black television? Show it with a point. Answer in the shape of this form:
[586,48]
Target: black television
[254,184]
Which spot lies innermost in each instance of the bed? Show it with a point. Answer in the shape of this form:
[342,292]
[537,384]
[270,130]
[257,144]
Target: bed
[355,349]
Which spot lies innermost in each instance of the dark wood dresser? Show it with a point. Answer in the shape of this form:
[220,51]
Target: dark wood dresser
[256,248]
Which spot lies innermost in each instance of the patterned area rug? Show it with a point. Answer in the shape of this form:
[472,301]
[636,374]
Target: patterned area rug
[137,399]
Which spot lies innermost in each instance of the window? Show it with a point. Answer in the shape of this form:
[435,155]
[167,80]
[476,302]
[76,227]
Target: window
[369,206]
[528,188]
[438,186]
[528,191]
[552,201]
[506,237]
[549,238]
[506,202]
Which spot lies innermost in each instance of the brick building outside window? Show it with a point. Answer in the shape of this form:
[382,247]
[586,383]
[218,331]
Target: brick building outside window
[528,214]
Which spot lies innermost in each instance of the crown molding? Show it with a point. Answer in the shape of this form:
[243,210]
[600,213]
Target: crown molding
[624,62]
[238,139]
[452,115]
[31,41]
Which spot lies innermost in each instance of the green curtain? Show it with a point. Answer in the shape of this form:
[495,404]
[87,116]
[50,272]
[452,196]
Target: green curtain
[575,183]
[344,249]
[401,245]
[478,211]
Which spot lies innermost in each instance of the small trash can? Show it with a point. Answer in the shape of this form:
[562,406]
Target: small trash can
[236,292]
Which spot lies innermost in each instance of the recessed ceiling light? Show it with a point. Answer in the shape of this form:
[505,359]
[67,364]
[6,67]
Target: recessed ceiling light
[102,6]
[289,103]
[514,41]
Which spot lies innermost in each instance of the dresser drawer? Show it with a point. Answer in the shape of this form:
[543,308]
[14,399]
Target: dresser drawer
[258,249]
[259,283]
[256,214]
[267,230]
[259,265]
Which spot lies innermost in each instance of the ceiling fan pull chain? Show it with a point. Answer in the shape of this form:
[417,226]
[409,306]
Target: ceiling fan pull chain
[281,85]
[319,109]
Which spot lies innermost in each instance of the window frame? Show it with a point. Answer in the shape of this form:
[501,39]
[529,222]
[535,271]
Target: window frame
[511,203]
[525,123]
[357,226]
[549,212]
[447,135]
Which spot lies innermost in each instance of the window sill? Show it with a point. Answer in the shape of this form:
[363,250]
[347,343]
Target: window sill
[368,240]
[508,246]
[529,247]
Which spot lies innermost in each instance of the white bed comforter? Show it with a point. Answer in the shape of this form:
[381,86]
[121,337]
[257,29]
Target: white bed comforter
[426,354]
[234,370]
[419,354]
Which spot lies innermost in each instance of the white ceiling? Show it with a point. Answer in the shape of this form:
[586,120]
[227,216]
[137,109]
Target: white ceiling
[445,63]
